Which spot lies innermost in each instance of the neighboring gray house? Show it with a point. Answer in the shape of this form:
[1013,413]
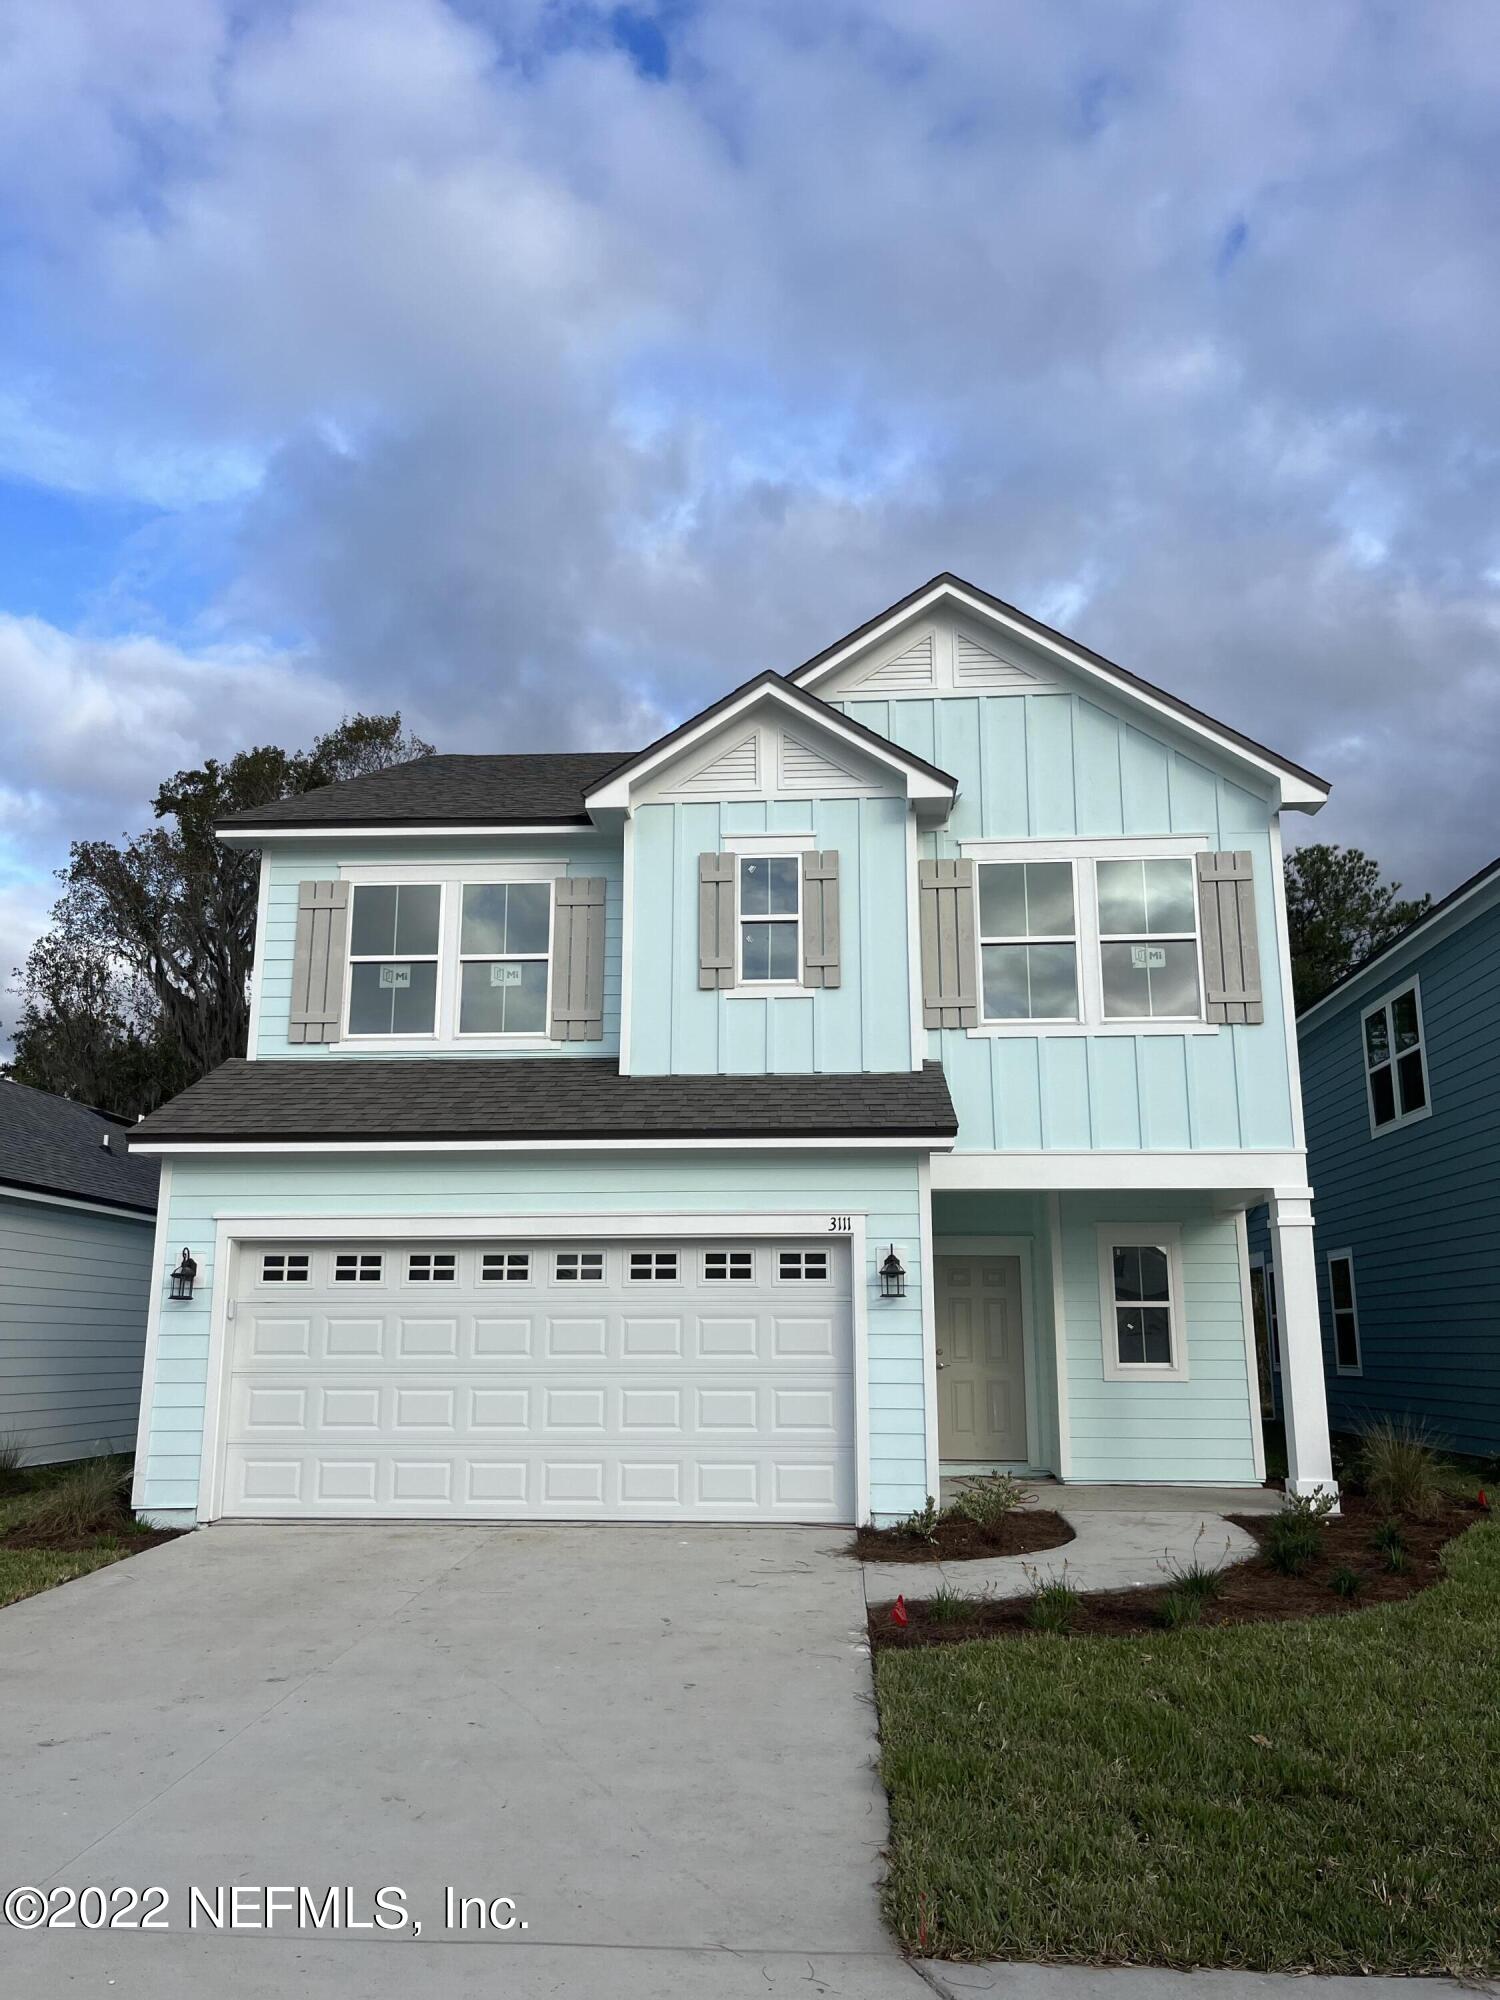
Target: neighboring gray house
[76,1216]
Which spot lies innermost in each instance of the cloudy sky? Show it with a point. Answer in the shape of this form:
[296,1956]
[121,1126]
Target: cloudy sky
[544,369]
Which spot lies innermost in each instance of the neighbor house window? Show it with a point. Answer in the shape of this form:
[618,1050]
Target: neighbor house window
[1396,1061]
[505,933]
[394,933]
[1028,948]
[1148,940]
[1346,1354]
[770,918]
[1140,1291]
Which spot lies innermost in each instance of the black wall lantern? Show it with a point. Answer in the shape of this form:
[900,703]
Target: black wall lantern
[892,1276]
[183,1276]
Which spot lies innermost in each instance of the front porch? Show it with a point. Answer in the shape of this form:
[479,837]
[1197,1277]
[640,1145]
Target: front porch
[1105,1339]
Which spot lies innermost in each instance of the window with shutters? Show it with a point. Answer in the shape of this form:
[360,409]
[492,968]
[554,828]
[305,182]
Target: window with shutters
[770,919]
[395,930]
[1395,1052]
[1345,1311]
[1028,951]
[1148,940]
[505,933]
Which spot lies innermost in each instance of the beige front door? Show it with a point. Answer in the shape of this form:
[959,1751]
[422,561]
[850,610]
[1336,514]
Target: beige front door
[981,1361]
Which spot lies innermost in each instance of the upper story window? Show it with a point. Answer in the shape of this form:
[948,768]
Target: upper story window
[504,938]
[770,918]
[1028,951]
[1396,1060]
[394,936]
[1148,940]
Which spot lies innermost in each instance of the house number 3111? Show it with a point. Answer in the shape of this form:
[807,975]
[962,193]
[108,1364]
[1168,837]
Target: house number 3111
[840,1225]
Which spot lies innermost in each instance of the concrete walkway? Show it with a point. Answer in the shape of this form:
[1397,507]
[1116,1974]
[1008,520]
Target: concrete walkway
[1084,1982]
[660,1743]
[1124,1538]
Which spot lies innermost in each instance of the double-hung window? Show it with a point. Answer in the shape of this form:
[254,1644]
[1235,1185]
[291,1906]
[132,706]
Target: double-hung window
[1396,1060]
[1028,941]
[1148,940]
[505,931]
[770,919]
[1346,1354]
[394,939]
[1140,1288]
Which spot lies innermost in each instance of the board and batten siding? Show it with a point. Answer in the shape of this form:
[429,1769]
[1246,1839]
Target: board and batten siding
[586,854]
[425,1188]
[1419,1207]
[863,1023]
[74,1287]
[1059,766]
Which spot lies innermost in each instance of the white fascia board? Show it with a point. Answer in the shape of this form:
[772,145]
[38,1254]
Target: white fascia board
[1290,792]
[1104,1172]
[9,1193]
[399,830]
[921,786]
[908,1142]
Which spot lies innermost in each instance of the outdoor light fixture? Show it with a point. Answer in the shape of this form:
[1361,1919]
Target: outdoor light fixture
[183,1276]
[892,1276]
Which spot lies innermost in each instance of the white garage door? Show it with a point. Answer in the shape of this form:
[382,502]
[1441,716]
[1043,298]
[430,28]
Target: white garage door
[563,1380]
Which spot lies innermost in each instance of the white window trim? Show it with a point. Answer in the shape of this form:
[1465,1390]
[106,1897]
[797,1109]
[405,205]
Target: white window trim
[352,958]
[1030,1021]
[1392,994]
[1092,1021]
[451,877]
[1165,1235]
[759,989]
[484,1038]
[1358,1365]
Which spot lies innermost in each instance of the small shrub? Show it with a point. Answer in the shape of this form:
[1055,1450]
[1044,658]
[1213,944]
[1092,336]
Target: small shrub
[1346,1582]
[922,1526]
[86,1500]
[1195,1578]
[12,1452]
[1396,1465]
[989,1503]
[1389,1541]
[1054,1605]
[947,1606]
[1181,1607]
[1294,1535]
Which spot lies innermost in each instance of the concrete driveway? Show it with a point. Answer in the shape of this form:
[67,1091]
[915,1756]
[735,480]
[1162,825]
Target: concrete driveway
[660,1743]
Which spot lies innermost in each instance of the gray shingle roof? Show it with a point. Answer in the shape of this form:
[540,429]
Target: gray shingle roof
[541,1097]
[49,1145]
[447,791]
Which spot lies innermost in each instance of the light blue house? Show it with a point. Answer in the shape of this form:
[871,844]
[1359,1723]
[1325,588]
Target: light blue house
[1401,1077]
[867,1080]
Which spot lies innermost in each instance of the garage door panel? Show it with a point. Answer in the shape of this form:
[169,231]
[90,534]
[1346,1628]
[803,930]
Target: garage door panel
[376,1395]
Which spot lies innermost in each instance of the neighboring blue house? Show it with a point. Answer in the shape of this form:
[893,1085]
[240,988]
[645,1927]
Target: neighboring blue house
[867,1080]
[1401,1084]
[76,1220]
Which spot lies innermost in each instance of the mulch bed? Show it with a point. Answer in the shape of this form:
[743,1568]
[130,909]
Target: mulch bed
[1252,1592]
[1022,1533]
[130,1538]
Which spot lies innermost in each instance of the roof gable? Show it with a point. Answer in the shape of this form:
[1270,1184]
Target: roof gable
[964,641]
[51,1145]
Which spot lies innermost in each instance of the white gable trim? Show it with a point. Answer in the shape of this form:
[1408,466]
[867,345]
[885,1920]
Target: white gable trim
[784,702]
[1288,789]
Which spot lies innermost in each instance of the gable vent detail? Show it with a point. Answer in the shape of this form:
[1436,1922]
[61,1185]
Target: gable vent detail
[804,769]
[914,667]
[734,770]
[976,666]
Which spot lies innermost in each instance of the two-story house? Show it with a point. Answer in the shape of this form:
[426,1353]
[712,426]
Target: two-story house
[868,1079]
[1402,1081]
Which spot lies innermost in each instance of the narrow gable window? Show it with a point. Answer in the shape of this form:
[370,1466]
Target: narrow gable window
[1396,1060]
[504,937]
[770,918]
[1148,940]
[393,958]
[1028,941]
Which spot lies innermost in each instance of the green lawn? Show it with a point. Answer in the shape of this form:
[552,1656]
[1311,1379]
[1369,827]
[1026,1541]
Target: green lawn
[23,1572]
[1321,1796]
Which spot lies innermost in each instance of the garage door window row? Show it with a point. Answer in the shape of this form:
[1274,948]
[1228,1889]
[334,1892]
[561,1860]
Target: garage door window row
[565,1267]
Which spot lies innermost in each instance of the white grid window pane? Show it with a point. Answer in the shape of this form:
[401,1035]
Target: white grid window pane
[280,1267]
[511,1267]
[358,1267]
[432,1266]
[579,1267]
[653,1267]
[722,1267]
[803,1266]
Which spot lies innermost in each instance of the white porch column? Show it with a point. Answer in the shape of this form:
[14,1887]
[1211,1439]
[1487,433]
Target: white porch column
[1304,1398]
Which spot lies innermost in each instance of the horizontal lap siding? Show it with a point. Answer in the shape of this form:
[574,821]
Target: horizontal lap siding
[587,854]
[1056,765]
[431,1187]
[1418,1207]
[73,1296]
[1197,1430]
